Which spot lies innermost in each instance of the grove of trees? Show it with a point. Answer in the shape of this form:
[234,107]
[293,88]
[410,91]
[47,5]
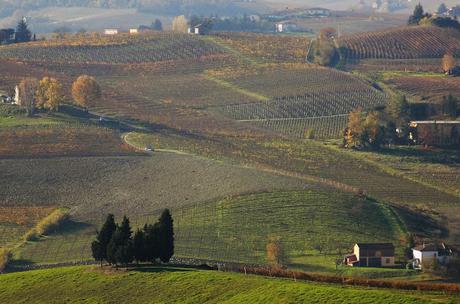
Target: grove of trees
[117,245]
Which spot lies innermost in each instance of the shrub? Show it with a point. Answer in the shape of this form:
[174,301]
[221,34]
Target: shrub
[5,258]
[7,110]
[48,224]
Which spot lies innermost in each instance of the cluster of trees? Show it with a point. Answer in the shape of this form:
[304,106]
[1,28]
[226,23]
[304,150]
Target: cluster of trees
[419,17]
[116,244]
[374,128]
[20,34]
[324,51]
[157,25]
[48,93]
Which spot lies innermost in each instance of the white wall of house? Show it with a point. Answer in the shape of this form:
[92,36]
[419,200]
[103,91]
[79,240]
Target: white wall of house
[425,256]
[110,31]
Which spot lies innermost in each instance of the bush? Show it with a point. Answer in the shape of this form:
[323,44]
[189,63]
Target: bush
[7,110]
[48,224]
[5,258]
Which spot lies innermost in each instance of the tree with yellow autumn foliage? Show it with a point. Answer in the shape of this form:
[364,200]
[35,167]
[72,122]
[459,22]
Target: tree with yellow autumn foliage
[448,63]
[275,255]
[49,94]
[86,91]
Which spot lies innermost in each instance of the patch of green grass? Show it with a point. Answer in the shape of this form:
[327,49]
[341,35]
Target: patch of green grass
[178,285]
[15,121]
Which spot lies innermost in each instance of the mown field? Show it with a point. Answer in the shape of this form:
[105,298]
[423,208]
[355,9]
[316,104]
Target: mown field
[161,284]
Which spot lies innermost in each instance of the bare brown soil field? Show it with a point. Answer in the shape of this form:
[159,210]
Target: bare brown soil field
[60,140]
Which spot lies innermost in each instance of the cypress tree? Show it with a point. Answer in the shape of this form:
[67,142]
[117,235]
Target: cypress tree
[139,246]
[166,236]
[120,247]
[417,15]
[151,242]
[106,233]
[98,251]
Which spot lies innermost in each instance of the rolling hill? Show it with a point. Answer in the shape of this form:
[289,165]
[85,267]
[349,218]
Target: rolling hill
[161,285]
[401,43]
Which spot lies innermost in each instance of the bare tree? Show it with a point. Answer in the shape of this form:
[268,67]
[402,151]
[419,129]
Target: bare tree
[27,92]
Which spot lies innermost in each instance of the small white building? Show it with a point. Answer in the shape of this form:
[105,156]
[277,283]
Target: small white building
[282,27]
[134,31]
[110,32]
[17,100]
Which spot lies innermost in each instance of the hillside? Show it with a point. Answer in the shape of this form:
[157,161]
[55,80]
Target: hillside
[401,43]
[161,285]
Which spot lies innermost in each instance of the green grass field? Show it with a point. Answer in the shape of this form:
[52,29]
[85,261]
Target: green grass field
[309,223]
[179,285]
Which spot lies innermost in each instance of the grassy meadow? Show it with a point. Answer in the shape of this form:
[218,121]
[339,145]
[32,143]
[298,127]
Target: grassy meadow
[185,285]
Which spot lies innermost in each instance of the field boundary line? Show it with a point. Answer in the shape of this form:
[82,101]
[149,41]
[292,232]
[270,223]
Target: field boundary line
[292,118]
[237,89]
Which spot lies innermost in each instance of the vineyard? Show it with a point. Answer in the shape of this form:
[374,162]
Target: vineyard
[60,140]
[323,127]
[118,50]
[297,99]
[426,88]
[265,48]
[402,43]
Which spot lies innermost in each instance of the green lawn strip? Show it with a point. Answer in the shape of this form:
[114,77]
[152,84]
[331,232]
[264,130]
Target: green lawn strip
[235,88]
[88,284]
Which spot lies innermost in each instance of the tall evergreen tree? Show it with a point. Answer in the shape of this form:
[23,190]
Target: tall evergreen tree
[166,236]
[157,25]
[98,252]
[151,242]
[442,9]
[418,15]
[105,234]
[23,33]
[139,246]
[119,249]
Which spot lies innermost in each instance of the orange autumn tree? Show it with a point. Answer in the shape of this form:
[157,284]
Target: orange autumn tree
[86,91]
[448,63]
[275,255]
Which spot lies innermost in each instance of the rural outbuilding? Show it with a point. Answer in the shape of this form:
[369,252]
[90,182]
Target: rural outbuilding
[372,255]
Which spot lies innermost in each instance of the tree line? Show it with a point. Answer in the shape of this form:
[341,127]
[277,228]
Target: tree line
[48,93]
[117,245]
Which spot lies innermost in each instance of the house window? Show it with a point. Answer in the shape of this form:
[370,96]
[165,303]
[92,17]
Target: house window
[387,260]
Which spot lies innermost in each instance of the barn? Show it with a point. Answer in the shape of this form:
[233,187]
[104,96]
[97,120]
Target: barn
[435,132]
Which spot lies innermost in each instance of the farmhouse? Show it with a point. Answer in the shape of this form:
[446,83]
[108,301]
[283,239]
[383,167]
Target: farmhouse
[426,254]
[134,31]
[110,32]
[371,255]
[435,132]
